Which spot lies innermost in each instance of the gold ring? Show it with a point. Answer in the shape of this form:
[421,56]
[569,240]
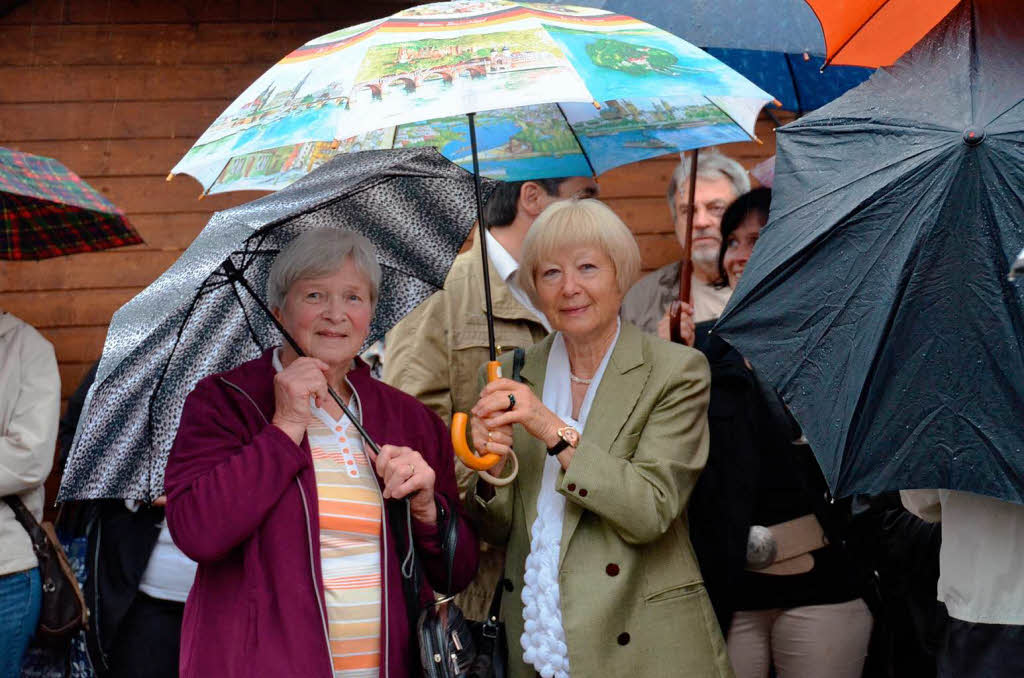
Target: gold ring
[412,470]
[490,435]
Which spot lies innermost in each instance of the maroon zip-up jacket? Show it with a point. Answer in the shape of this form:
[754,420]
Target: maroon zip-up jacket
[242,502]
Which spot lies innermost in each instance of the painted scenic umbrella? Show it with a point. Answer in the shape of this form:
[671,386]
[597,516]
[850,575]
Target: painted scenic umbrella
[557,89]
[510,90]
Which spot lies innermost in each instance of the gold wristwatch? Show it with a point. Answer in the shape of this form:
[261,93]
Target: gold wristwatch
[569,437]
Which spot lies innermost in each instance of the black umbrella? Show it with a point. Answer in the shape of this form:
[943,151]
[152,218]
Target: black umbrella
[206,315]
[877,299]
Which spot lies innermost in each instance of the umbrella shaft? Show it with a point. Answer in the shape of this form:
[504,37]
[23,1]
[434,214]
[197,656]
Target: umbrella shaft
[491,343]
[686,268]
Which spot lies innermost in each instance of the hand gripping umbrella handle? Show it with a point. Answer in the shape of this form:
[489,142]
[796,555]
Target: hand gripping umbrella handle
[468,457]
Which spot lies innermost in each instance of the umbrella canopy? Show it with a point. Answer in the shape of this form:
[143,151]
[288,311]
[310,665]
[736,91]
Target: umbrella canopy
[877,299]
[875,32]
[778,44]
[627,90]
[48,211]
[192,321]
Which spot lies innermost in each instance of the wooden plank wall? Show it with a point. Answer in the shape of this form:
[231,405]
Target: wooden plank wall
[119,89]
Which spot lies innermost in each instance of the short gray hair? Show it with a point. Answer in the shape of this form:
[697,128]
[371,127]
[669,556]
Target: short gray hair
[318,253]
[575,222]
[711,164]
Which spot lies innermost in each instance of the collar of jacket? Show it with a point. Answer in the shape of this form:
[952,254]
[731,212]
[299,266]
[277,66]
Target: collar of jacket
[506,306]
[670,274]
[627,355]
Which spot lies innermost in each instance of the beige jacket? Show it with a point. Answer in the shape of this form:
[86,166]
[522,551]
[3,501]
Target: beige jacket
[29,411]
[646,302]
[434,354]
[632,597]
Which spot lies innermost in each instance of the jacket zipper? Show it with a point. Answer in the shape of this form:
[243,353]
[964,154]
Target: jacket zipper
[312,571]
[384,543]
[309,535]
[96,600]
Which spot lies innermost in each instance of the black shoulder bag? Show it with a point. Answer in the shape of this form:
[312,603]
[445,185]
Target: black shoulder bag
[450,645]
[63,612]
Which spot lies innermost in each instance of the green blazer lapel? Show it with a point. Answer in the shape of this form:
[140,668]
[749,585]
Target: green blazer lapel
[617,395]
[531,473]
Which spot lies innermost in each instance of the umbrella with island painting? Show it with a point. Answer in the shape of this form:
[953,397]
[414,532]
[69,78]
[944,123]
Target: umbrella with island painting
[510,90]
[559,91]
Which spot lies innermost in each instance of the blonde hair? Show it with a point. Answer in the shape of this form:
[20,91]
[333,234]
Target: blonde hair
[574,223]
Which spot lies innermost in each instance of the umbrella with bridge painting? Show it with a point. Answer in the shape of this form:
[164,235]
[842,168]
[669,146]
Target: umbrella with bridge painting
[511,90]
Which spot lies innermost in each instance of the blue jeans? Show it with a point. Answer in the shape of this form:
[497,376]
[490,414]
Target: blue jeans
[20,596]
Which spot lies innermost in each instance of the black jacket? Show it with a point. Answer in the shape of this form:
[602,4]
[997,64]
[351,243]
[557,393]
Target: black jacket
[749,425]
[121,542]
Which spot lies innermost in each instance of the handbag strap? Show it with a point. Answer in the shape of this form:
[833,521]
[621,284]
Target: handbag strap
[25,517]
[495,609]
[449,540]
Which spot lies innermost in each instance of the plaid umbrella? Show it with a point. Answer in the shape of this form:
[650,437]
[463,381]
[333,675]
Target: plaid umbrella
[48,211]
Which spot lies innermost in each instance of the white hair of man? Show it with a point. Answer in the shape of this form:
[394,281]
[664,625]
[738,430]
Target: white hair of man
[711,164]
[318,253]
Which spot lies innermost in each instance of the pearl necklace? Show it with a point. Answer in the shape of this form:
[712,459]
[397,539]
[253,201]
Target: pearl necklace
[580,380]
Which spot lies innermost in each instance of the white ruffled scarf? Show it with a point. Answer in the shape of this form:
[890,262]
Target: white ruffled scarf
[543,638]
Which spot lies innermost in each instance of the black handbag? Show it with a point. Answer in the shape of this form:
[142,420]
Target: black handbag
[491,644]
[63,612]
[452,646]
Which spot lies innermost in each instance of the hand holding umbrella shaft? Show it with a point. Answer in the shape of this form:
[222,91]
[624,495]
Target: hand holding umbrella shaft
[293,387]
[529,410]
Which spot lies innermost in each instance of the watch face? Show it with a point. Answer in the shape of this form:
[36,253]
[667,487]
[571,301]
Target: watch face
[570,435]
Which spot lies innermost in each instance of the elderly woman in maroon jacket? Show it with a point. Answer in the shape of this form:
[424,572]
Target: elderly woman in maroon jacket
[272,491]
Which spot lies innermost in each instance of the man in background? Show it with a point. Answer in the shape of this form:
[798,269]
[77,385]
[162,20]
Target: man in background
[720,180]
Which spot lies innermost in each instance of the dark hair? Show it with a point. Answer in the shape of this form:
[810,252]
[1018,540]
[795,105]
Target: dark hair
[500,209]
[758,200]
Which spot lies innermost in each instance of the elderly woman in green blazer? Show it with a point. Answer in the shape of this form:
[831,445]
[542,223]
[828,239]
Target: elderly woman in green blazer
[610,428]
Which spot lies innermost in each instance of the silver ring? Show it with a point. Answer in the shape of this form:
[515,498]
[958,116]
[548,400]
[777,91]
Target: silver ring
[511,402]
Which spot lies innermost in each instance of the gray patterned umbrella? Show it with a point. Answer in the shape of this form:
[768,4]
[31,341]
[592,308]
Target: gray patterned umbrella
[415,205]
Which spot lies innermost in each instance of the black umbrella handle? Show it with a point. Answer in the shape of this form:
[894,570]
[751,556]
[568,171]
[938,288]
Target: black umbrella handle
[235,275]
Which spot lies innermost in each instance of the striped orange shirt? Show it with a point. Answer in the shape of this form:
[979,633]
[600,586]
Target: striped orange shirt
[350,542]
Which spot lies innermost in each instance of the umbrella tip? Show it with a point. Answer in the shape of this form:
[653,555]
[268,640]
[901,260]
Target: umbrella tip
[778,104]
[202,195]
[170,176]
[597,105]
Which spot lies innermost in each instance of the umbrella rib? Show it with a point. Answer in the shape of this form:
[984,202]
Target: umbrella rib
[734,121]
[796,88]
[853,35]
[248,322]
[576,137]
[163,372]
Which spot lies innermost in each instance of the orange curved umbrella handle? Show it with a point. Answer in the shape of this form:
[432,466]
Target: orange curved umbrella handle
[459,422]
